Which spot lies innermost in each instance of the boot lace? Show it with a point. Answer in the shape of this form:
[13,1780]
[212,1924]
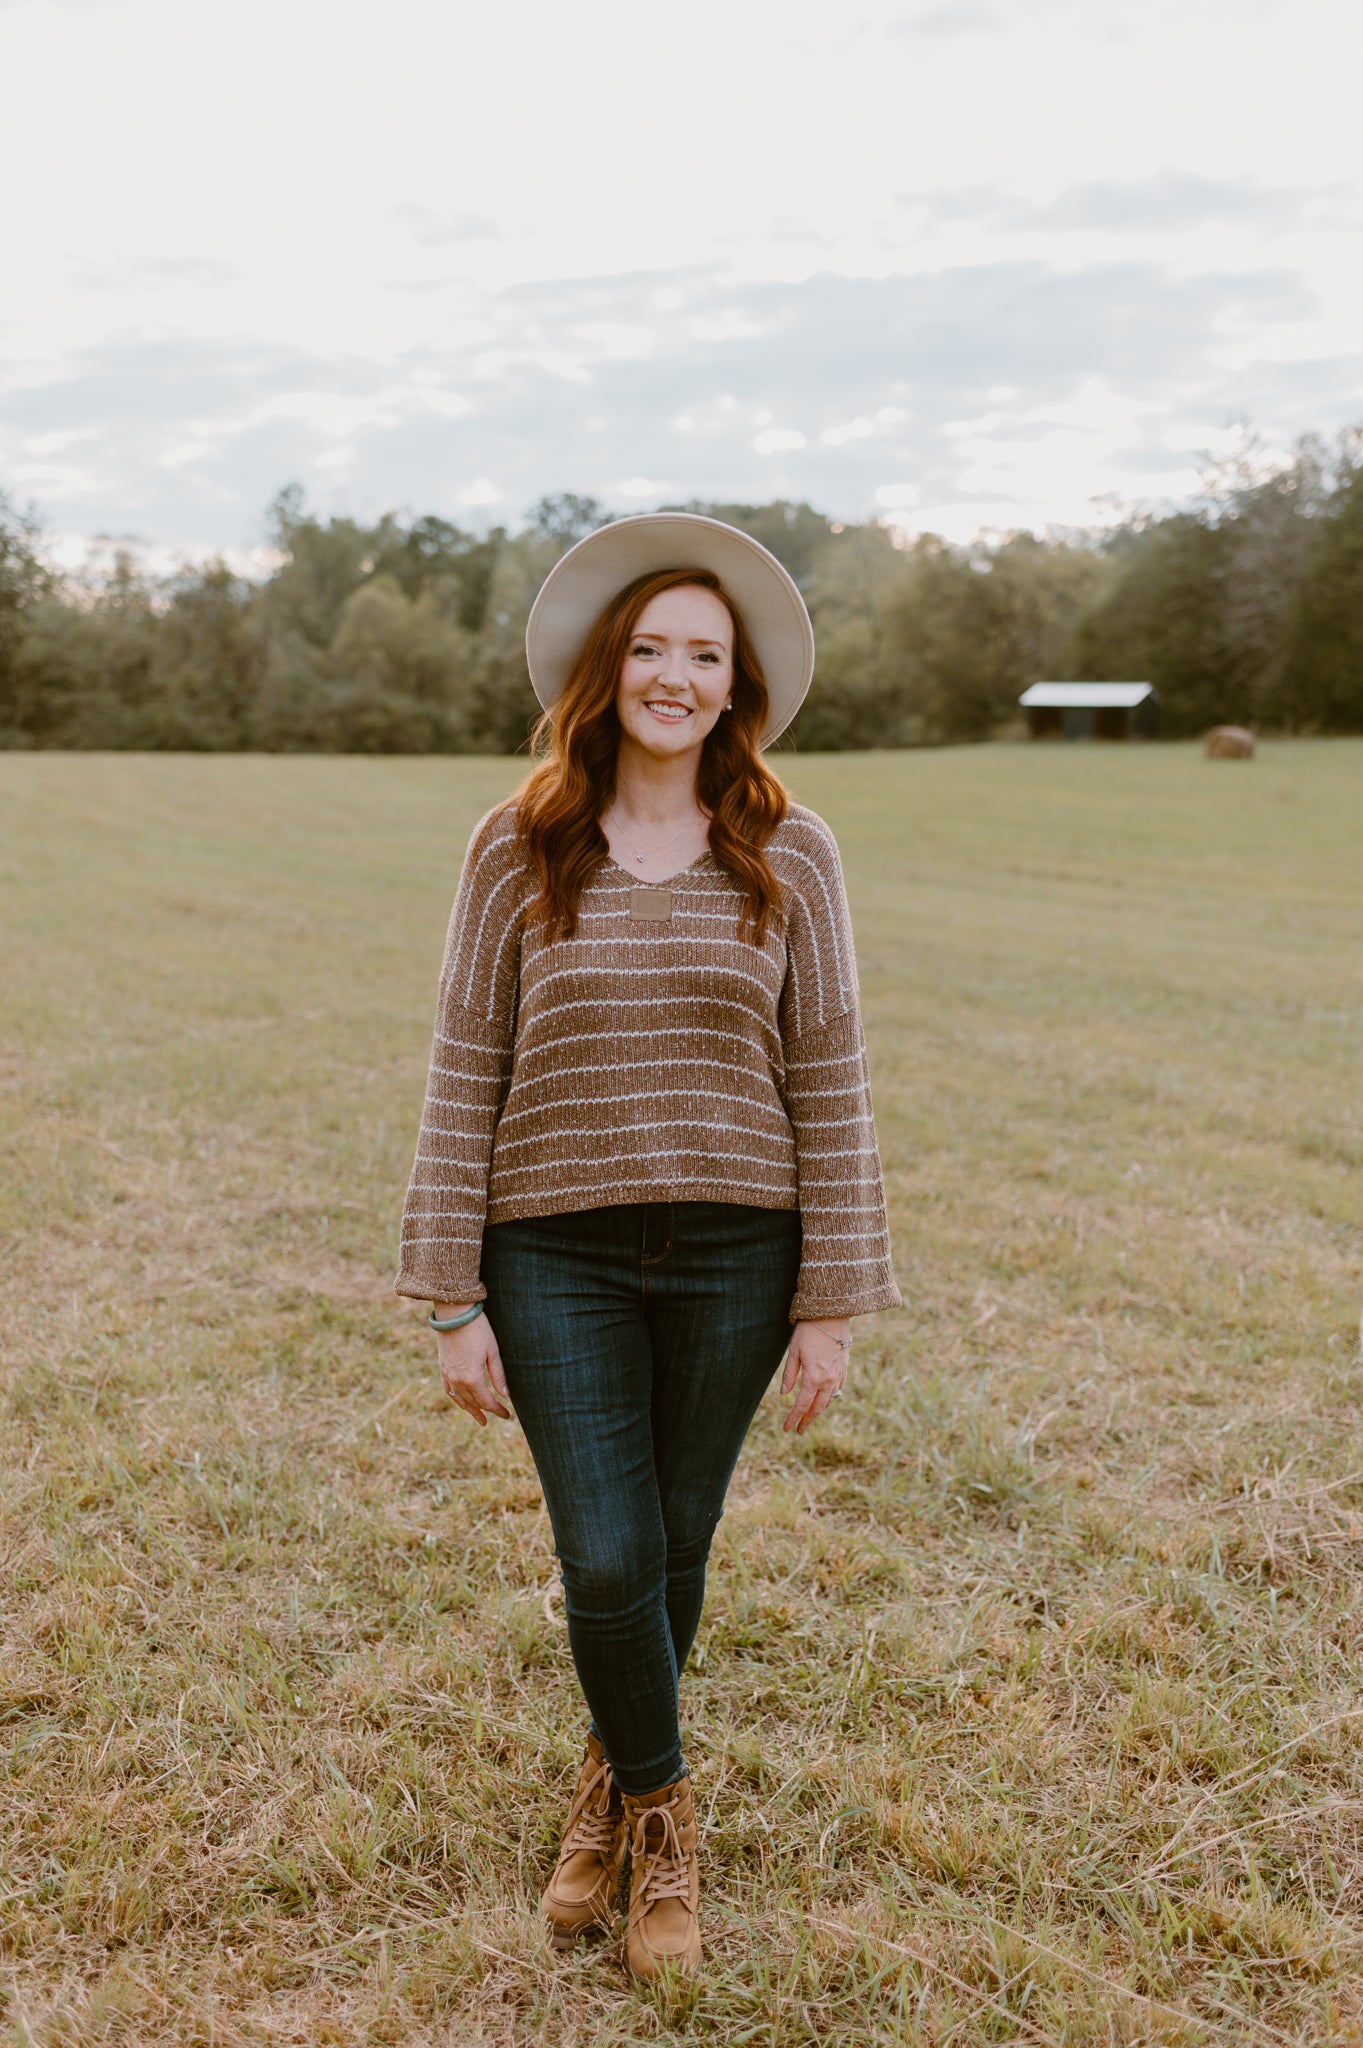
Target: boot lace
[664,1870]
[593,1821]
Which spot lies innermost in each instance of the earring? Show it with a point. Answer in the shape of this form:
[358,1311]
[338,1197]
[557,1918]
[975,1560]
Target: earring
[730,705]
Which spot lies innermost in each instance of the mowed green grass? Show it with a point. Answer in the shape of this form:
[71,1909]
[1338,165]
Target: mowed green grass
[1027,1702]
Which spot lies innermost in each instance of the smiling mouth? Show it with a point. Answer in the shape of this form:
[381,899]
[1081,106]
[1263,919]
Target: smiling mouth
[670,713]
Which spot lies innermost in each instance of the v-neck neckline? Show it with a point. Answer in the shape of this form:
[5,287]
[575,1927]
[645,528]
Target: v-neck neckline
[666,881]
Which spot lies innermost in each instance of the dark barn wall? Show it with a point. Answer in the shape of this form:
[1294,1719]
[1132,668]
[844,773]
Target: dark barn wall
[1092,722]
[1145,718]
[1043,722]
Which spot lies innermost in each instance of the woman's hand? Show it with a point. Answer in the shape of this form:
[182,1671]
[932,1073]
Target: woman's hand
[818,1358]
[471,1366]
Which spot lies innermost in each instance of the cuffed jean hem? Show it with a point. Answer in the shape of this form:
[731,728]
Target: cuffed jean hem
[665,1774]
[651,1780]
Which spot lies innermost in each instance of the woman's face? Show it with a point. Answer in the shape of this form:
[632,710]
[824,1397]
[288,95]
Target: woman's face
[678,671]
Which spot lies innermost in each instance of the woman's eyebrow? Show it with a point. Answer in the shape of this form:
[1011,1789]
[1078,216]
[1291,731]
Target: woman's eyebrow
[690,643]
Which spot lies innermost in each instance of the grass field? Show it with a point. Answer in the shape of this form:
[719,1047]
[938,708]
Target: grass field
[1027,1703]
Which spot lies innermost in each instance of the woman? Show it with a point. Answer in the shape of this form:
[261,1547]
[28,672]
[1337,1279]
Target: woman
[647,1147]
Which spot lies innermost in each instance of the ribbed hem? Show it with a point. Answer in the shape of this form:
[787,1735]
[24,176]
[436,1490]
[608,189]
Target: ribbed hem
[617,1194]
[438,1287]
[821,1307]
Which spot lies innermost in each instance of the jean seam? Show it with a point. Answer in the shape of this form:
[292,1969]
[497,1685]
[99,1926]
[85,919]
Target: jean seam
[666,1251]
[666,1634]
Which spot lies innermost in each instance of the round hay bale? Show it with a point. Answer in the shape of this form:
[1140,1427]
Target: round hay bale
[1229,743]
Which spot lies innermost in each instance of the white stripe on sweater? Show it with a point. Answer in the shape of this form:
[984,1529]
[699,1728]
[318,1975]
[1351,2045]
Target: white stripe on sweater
[674,1180]
[675,970]
[572,1102]
[701,1126]
[649,1002]
[633,1158]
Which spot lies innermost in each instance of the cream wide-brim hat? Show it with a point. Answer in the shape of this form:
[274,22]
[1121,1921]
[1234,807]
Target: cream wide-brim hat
[580,586]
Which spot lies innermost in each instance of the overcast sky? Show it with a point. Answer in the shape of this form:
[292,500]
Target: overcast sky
[987,265]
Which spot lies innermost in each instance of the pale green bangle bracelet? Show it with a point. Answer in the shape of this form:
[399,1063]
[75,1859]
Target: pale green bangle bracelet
[455,1322]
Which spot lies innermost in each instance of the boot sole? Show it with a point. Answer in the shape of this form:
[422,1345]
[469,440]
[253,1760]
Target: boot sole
[562,1938]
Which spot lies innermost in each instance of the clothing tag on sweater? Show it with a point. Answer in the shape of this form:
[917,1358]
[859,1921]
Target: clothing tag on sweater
[655,904]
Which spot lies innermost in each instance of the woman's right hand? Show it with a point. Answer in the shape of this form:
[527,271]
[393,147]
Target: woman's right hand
[471,1365]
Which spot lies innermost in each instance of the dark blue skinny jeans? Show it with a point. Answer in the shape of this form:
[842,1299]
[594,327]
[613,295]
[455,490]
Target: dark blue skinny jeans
[638,1342]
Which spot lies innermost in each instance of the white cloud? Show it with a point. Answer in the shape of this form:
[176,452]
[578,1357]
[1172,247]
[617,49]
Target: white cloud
[417,276]
[859,429]
[182,452]
[435,228]
[1007,383]
[777,440]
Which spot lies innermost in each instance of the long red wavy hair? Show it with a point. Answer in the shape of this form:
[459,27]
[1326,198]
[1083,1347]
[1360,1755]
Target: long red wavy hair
[558,807]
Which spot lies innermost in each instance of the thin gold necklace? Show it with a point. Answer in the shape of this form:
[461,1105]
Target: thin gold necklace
[644,857]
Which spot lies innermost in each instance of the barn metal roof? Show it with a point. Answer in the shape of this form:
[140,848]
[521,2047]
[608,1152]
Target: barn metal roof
[1087,696]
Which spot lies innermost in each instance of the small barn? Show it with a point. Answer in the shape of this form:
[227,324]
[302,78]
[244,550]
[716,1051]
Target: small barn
[1090,711]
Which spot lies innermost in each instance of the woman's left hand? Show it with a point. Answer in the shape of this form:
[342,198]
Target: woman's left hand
[818,1359]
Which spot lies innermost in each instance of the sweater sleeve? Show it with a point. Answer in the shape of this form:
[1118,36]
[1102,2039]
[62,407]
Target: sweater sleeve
[470,1071]
[845,1267]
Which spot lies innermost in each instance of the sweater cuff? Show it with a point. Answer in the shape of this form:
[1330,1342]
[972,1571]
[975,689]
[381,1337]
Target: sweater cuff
[440,1287]
[808,1308]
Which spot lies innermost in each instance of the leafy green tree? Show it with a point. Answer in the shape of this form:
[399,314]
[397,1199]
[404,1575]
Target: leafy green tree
[431,554]
[125,705]
[861,682]
[971,628]
[1163,621]
[795,533]
[565,518]
[55,682]
[209,657]
[293,710]
[320,566]
[1322,687]
[507,705]
[1269,512]
[24,585]
[403,673]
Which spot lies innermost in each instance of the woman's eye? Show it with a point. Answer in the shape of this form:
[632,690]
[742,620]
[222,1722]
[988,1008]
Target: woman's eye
[708,654]
[642,647]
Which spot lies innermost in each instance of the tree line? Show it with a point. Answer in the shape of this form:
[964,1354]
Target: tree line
[407,635]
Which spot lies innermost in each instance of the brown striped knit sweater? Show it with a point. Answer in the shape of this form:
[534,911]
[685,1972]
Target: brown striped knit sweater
[650,1062]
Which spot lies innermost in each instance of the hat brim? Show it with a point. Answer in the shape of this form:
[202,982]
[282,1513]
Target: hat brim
[580,586]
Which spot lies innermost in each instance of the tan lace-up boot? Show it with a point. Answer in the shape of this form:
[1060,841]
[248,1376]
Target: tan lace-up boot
[581,1893]
[664,1889]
